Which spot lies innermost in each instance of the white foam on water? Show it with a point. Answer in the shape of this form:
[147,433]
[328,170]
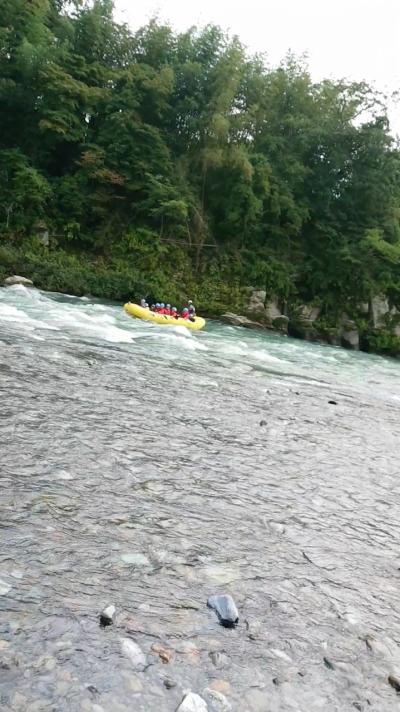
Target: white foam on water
[15,316]
[177,339]
[265,356]
[34,311]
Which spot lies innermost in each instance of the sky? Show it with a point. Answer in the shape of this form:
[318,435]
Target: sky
[354,39]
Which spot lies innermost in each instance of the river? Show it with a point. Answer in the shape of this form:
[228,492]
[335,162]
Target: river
[150,468]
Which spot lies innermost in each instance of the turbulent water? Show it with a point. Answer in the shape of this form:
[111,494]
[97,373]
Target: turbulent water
[150,468]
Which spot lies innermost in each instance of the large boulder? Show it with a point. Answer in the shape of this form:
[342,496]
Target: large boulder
[256,303]
[237,320]
[272,311]
[268,312]
[16,279]
[350,337]
[302,320]
[379,308]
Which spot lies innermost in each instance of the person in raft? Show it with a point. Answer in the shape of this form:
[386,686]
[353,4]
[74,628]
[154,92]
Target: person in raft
[188,312]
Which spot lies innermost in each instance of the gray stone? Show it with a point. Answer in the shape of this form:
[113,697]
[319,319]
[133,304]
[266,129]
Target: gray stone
[349,336]
[394,682]
[4,588]
[302,320]
[379,309]
[226,610]
[217,700]
[256,304]
[107,615]
[16,279]
[135,559]
[192,703]
[237,320]
[254,629]
[272,311]
[19,702]
[219,659]
[134,653]
[308,313]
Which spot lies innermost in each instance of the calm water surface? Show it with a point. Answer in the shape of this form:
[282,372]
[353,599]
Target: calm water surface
[151,468]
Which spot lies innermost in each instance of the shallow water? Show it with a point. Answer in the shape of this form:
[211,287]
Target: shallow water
[135,471]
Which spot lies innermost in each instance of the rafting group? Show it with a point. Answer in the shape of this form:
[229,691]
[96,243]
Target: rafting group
[188,311]
[166,315]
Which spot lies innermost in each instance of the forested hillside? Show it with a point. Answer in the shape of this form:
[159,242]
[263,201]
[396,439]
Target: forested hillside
[165,163]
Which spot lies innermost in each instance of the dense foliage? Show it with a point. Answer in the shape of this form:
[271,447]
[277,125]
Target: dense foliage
[163,162]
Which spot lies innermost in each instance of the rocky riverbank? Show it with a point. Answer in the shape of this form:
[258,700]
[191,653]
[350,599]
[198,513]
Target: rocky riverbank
[372,326]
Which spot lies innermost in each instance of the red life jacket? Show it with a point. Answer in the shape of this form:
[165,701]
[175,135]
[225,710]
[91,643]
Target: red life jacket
[167,311]
[185,315]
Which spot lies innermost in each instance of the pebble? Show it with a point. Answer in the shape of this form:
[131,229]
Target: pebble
[145,607]
[62,688]
[226,610]
[221,686]
[190,651]
[4,588]
[329,664]
[218,659]
[332,402]
[134,684]
[134,653]
[50,664]
[163,653]
[188,605]
[4,644]
[107,616]
[18,702]
[135,559]
[280,654]
[253,629]
[46,661]
[192,703]
[263,422]
[217,700]
[169,683]
[394,682]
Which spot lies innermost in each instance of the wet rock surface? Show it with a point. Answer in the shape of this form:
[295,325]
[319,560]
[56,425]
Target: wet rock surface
[225,608]
[17,279]
[192,703]
[107,616]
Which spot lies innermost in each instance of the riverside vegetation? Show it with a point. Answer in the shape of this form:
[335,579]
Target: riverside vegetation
[174,164]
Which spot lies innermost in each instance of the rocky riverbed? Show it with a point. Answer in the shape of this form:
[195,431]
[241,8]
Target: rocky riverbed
[150,470]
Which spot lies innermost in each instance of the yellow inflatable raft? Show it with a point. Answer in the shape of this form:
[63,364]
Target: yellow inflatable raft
[164,319]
